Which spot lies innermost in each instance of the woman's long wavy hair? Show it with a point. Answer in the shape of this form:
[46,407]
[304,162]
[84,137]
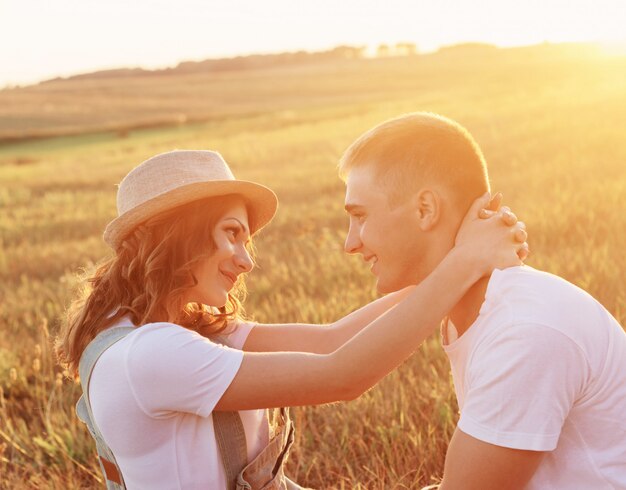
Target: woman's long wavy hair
[147,279]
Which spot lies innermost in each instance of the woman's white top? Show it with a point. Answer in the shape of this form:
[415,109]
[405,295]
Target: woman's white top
[152,394]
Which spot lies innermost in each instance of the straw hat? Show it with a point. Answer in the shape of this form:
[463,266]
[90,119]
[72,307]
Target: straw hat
[179,177]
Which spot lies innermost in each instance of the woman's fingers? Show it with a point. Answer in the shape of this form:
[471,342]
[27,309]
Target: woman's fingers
[486,208]
[486,213]
[494,203]
[523,252]
[479,204]
[489,207]
[520,234]
[507,216]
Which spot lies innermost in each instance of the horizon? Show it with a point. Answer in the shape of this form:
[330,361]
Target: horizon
[369,50]
[86,36]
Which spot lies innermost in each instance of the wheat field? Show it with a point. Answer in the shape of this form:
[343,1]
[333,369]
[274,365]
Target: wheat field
[551,124]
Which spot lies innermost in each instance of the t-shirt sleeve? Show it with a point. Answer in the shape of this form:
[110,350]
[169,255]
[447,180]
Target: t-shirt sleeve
[173,369]
[522,383]
[238,337]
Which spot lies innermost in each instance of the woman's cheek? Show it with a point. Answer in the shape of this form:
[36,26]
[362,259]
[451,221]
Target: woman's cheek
[222,242]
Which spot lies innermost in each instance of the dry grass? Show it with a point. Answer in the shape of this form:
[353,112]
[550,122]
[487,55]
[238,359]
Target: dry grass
[551,125]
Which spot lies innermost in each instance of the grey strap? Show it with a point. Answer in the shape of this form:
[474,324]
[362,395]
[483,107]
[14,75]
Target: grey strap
[231,440]
[96,348]
[229,431]
[90,355]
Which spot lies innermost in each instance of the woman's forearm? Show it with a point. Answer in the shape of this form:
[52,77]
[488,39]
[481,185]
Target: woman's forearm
[394,336]
[275,379]
[347,327]
[319,339]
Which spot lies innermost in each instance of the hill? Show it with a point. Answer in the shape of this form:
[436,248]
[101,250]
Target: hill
[126,99]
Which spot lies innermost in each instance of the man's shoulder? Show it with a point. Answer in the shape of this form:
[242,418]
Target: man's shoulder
[542,307]
[526,278]
[534,296]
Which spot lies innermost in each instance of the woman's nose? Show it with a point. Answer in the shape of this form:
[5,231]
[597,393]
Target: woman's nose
[243,261]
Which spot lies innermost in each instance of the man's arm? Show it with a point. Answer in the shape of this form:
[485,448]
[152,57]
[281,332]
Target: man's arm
[524,381]
[474,464]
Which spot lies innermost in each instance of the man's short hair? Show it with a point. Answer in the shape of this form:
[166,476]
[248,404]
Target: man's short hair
[420,148]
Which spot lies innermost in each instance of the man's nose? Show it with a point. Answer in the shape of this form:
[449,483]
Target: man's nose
[353,242]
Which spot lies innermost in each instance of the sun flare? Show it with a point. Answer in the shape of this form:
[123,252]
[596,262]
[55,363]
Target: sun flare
[613,48]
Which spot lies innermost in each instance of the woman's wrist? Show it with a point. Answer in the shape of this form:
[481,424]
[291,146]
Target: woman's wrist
[469,268]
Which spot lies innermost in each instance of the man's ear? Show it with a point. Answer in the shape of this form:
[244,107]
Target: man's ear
[427,206]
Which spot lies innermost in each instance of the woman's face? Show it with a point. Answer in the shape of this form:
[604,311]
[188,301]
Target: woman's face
[218,273]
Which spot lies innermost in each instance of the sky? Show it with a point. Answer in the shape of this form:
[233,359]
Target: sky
[42,39]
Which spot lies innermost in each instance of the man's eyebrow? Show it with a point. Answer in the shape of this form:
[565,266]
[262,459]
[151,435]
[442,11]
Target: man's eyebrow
[243,227]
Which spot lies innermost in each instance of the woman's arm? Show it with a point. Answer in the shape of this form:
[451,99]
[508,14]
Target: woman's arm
[327,338]
[292,378]
[319,339]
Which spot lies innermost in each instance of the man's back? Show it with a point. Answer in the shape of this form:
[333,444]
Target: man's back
[543,368]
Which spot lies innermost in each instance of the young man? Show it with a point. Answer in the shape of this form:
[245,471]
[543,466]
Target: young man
[539,366]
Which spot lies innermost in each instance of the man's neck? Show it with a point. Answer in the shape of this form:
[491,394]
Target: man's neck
[466,310]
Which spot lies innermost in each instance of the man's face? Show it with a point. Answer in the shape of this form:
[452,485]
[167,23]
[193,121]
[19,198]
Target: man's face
[388,238]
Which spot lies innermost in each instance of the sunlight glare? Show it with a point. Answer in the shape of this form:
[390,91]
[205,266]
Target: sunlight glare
[613,48]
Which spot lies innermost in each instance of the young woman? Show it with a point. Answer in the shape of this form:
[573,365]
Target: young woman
[173,392]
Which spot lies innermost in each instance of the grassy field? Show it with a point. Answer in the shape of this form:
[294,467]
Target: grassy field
[552,127]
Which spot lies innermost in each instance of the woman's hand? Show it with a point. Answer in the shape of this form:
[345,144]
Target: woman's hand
[510,219]
[492,236]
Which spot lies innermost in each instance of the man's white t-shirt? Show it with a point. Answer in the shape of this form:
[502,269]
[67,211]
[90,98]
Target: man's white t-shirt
[543,368]
[152,394]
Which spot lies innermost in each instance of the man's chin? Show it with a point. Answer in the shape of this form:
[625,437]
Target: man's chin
[386,287]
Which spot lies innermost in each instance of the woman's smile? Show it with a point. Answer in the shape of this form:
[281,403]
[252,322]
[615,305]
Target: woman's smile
[230,278]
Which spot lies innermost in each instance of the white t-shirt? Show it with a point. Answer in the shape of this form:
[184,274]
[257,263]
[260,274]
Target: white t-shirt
[152,394]
[543,368]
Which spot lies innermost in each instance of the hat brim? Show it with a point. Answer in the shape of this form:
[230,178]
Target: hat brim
[262,204]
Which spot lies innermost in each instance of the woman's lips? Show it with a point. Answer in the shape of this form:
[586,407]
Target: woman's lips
[232,278]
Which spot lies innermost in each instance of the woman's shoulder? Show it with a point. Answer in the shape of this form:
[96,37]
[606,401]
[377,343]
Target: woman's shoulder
[168,334]
[158,341]
[155,347]
[233,336]
[170,368]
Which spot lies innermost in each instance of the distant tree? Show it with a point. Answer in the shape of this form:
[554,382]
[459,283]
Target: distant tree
[468,48]
[383,51]
[360,51]
[348,52]
[406,49]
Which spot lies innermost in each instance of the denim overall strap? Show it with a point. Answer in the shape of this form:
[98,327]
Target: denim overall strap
[230,437]
[231,440]
[266,471]
[91,354]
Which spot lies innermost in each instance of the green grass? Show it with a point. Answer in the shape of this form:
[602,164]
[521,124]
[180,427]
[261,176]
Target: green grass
[551,127]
